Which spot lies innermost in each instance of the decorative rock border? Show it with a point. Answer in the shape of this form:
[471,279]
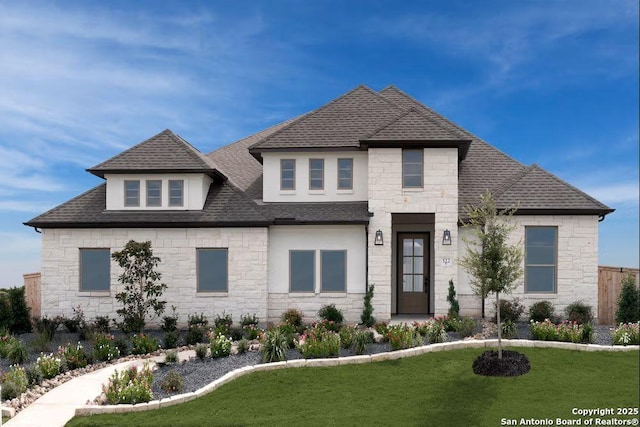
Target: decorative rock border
[351,360]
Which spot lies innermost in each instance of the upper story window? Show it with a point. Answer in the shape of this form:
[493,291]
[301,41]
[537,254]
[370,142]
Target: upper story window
[176,192]
[316,174]
[345,174]
[95,275]
[541,250]
[288,174]
[154,193]
[132,193]
[412,168]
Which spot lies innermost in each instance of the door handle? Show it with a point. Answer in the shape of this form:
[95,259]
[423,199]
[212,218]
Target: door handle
[426,284]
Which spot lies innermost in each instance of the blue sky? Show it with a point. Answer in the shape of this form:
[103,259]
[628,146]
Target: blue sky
[548,82]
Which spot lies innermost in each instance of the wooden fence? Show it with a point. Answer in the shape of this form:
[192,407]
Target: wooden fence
[609,286]
[32,292]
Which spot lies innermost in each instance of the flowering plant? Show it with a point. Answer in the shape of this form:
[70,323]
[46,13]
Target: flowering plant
[105,347]
[14,382]
[626,334]
[252,331]
[49,365]
[129,386]
[75,356]
[143,344]
[220,346]
[319,341]
[433,329]
[566,331]
[402,336]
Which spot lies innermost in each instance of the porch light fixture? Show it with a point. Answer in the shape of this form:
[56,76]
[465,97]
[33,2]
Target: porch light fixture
[446,238]
[378,240]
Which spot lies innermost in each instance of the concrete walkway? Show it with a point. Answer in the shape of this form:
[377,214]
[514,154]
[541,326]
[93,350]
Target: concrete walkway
[56,407]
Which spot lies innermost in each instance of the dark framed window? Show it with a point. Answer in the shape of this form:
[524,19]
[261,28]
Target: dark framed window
[131,193]
[176,192]
[95,269]
[412,168]
[316,174]
[154,193]
[345,174]
[333,271]
[287,174]
[541,259]
[213,269]
[302,271]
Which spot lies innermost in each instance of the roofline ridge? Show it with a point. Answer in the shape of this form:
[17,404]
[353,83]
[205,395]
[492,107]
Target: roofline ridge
[254,206]
[102,184]
[127,150]
[193,150]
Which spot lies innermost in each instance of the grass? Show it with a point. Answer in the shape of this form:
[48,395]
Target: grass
[432,389]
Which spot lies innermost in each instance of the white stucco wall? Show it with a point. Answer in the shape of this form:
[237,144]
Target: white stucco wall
[439,195]
[282,239]
[247,270]
[196,187]
[577,268]
[271,177]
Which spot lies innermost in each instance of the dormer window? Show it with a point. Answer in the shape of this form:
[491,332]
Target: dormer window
[316,174]
[132,193]
[176,192]
[154,193]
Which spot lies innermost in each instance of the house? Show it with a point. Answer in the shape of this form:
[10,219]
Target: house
[367,189]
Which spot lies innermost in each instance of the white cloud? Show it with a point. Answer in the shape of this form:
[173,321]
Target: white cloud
[19,254]
[624,192]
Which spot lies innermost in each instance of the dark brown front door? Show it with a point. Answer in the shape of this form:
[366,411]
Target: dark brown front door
[413,273]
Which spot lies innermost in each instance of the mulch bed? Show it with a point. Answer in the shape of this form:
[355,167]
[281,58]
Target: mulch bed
[512,364]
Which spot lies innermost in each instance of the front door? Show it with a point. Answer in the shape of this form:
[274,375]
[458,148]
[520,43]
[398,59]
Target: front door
[413,273]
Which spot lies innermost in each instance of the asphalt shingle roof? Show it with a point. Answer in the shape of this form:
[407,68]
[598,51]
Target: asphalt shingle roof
[165,151]
[413,125]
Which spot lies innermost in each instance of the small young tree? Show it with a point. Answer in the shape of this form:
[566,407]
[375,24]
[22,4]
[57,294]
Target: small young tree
[628,309]
[367,312]
[493,264]
[142,290]
[454,305]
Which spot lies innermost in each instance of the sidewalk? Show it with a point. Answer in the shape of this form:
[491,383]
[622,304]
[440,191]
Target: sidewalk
[58,406]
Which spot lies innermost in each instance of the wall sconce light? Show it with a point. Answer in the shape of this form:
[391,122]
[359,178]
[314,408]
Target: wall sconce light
[446,237]
[378,241]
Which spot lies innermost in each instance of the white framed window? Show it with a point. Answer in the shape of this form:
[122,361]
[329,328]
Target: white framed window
[154,193]
[316,174]
[176,192]
[541,259]
[345,174]
[213,269]
[131,193]
[95,269]
[333,271]
[412,168]
[287,174]
[302,271]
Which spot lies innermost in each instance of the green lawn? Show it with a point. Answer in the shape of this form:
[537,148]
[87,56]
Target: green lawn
[436,389]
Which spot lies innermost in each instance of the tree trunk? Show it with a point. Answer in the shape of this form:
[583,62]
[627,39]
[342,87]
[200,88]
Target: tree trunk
[499,326]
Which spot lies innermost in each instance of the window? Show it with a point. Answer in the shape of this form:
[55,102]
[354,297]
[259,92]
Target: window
[316,174]
[95,275]
[345,174]
[412,168]
[301,271]
[541,251]
[154,193]
[333,271]
[212,269]
[287,174]
[176,192]
[132,193]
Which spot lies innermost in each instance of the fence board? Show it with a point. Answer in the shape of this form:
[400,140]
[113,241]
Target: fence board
[32,292]
[609,287]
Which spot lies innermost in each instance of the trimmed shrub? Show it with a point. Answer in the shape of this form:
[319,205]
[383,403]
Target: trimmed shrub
[541,311]
[628,310]
[367,311]
[509,310]
[293,317]
[454,305]
[330,313]
[579,312]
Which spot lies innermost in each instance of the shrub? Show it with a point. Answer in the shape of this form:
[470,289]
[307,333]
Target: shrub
[274,346]
[367,311]
[223,323]
[465,326]
[626,334]
[70,324]
[454,305]
[14,382]
[49,365]
[509,329]
[129,386]
[382,328]
[579,312]
[41,343]
[197,327]
[172,382]
[565,331]
[6,312]
[47,326]
[17,352]
[34,375]
[628,310]
[20,322]
[251,331]
[5,342]
[171,339]
[434,329]
[143,344]
[319,341]
[236,333]
[330,313]
[243,346]
[74,356]
[102,324]
[104,348]
[170,323]
[402,336]
[509,310]
[171,357]
[347,335]
[360,341]
[122,345]
[289,332]
[220,346]
[293,317]
[201,351]
[247,320]
[541,310]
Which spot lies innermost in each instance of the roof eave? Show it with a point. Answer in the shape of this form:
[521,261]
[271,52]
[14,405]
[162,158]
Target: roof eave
[213,173]
[461,144]
[158,224]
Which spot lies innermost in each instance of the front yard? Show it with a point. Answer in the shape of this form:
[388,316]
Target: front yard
[433,389]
